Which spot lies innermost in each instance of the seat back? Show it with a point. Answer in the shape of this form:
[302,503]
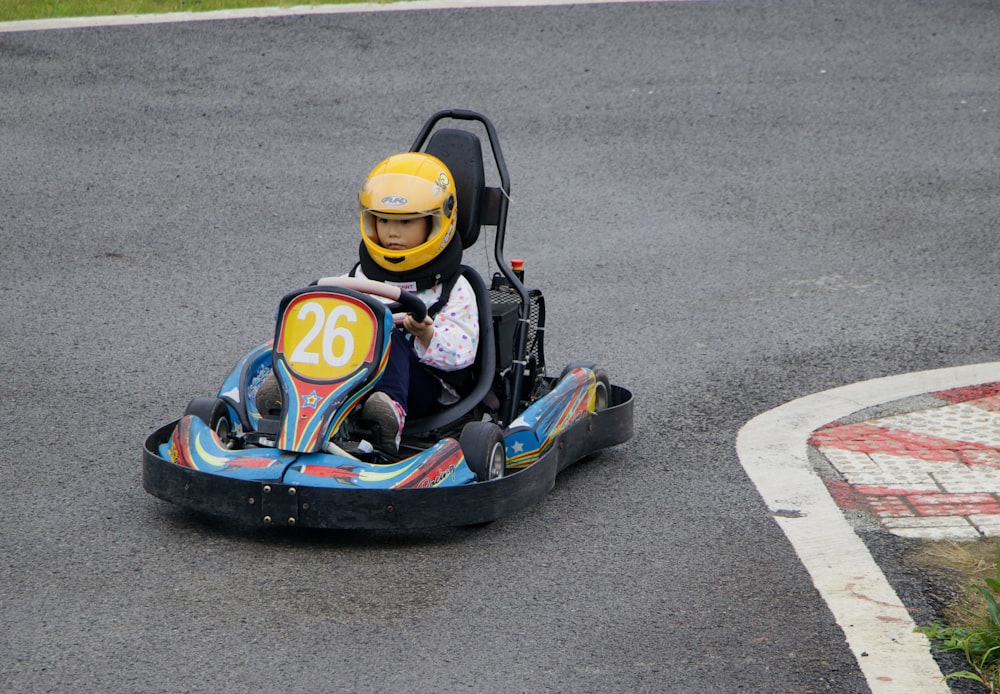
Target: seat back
[462,153]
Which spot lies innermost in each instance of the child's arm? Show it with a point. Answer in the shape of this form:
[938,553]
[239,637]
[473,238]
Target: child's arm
[453,337]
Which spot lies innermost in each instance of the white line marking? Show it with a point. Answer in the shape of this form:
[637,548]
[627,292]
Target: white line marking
[772,449]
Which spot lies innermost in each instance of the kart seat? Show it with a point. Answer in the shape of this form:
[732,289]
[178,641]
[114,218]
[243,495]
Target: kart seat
[461,151]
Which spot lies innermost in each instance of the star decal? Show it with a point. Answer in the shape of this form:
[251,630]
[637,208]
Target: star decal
[311,400]
[517,447]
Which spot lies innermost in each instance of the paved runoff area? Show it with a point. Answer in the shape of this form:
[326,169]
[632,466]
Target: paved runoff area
[932,472]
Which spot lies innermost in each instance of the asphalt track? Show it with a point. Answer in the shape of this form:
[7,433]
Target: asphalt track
[820,181]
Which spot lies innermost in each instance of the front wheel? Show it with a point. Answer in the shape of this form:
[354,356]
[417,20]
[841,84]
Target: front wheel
[484,449]
[215,413]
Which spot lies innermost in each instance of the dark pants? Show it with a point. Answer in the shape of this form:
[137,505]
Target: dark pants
[406,381]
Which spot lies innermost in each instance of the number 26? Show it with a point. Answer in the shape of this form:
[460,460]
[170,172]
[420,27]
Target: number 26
[331,328]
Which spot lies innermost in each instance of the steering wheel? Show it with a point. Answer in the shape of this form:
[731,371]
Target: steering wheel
[401,301]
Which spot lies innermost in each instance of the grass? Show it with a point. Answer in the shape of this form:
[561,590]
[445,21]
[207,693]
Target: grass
[12,10]
[970,624]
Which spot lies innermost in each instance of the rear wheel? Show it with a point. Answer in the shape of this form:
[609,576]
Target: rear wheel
[215,414]
[484,449]
[602,389]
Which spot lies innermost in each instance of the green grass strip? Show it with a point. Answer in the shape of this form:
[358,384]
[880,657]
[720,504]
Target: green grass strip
[13,10]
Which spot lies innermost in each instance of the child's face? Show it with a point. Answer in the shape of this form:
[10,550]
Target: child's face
[402,234]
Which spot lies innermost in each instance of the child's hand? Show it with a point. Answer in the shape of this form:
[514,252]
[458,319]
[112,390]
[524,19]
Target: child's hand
[422,330]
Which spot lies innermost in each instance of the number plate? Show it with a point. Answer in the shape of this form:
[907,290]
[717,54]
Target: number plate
[326,338]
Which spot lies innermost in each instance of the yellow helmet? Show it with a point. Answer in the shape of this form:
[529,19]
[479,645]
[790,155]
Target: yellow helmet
[408,185]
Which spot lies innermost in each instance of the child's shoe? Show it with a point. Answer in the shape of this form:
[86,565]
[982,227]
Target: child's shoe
[390,416]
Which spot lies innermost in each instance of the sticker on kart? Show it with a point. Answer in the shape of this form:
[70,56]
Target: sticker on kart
[328,352]
[326,338]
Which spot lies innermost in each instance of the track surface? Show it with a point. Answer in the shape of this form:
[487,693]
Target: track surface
[730,205]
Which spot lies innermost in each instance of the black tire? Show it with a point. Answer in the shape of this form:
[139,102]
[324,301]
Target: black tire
[484,449]
[268,398]
[602,395]
[215,413]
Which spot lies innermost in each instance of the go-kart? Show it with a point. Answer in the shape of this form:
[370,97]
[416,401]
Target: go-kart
[310,461]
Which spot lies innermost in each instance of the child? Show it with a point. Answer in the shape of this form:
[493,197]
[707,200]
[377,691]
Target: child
[408,216]
[408,239]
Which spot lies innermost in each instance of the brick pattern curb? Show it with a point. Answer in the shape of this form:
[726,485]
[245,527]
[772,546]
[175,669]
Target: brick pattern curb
[932,473]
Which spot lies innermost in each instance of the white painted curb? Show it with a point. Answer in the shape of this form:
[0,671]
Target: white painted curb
[298,10]
[772,448]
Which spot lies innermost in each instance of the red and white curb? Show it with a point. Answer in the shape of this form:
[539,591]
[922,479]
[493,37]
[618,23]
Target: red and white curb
[774,450]
[932,473]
